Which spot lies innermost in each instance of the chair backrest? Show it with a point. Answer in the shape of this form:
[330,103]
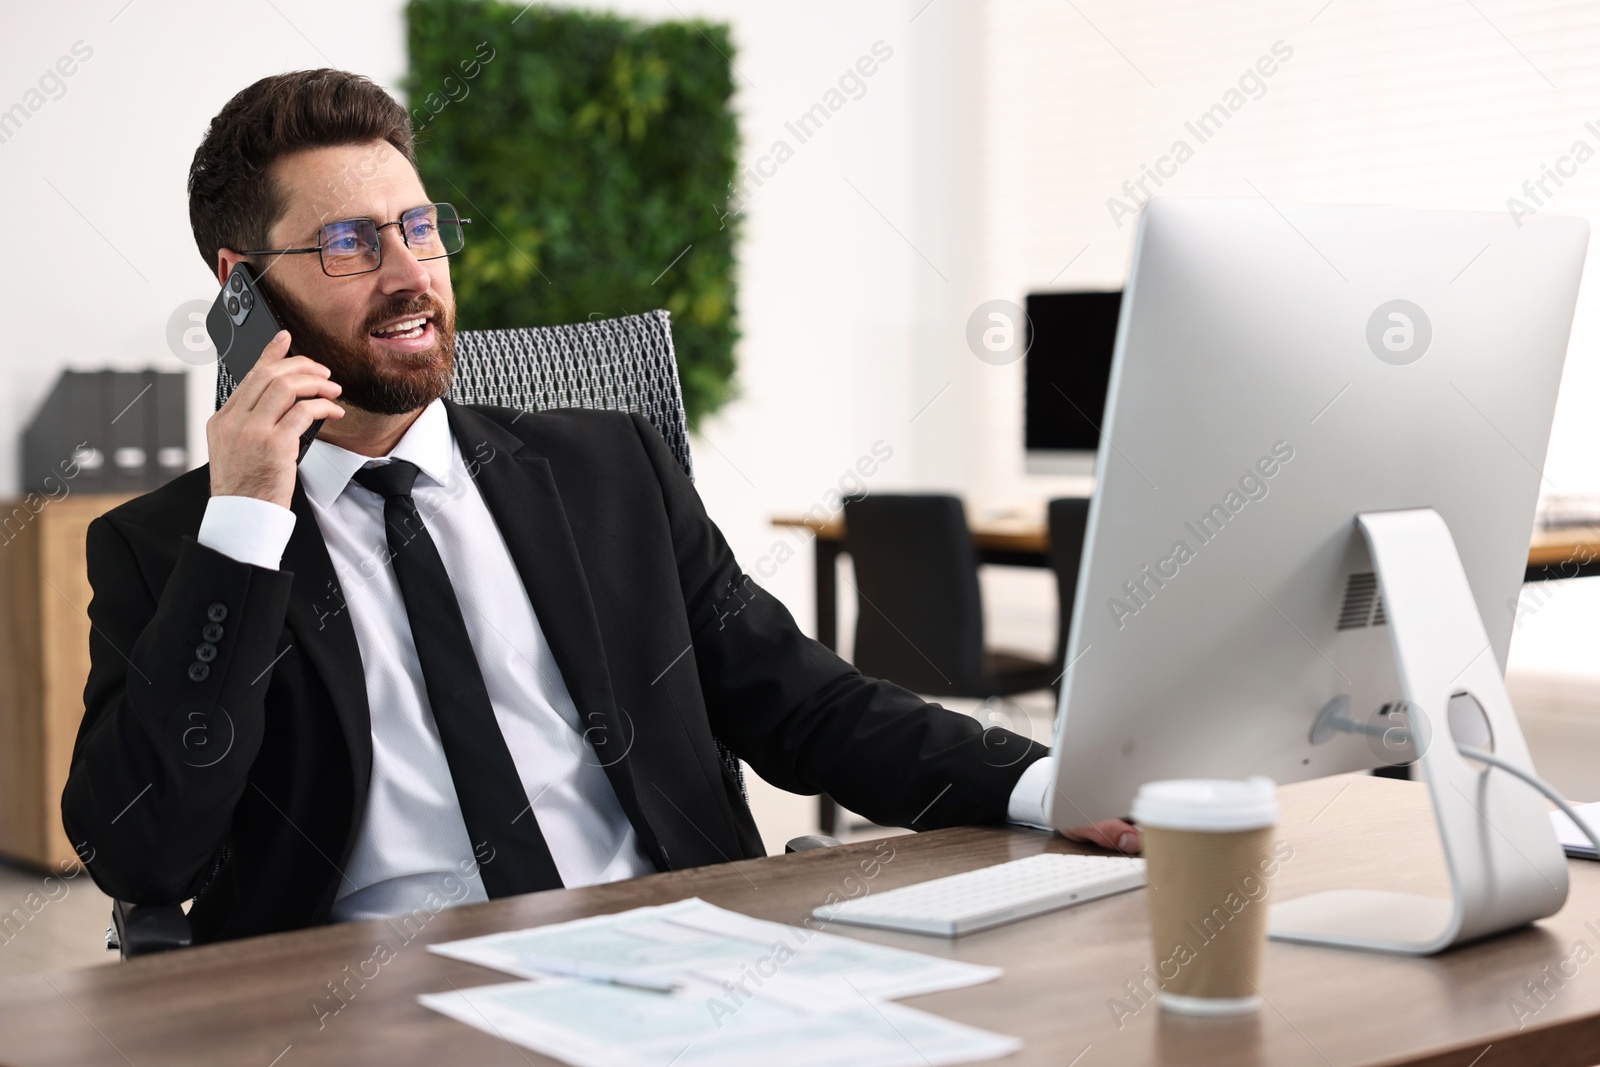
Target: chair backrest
[920,623]
[1069,519]
[622,364]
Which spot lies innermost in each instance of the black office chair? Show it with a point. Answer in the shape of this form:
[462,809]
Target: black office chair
[622,364]
[920,622]
[920,619]
[1069,521]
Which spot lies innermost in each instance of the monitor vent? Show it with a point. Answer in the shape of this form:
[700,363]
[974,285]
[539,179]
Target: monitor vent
[1363,606]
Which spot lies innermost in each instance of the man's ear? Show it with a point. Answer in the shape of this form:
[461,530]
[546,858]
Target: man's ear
[226,258]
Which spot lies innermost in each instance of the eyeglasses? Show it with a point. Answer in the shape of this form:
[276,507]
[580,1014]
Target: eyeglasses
[352,246]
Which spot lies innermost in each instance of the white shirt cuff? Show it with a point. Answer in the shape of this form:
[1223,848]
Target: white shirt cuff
[247,529]
[1030,797]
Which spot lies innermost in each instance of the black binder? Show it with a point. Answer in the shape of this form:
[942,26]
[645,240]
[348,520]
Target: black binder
[132,408]
[65,447]
[107,432]
[168,429]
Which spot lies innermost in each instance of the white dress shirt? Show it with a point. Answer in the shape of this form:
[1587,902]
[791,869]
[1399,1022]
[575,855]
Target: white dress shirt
[413,845]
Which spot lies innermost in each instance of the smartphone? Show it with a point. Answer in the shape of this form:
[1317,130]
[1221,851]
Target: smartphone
[241,323]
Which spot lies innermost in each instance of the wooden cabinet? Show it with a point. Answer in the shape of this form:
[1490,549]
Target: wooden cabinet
[44,663]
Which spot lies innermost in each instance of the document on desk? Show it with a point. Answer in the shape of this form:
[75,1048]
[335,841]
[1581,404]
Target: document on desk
[797,1024]
[1572,839]
[694,938]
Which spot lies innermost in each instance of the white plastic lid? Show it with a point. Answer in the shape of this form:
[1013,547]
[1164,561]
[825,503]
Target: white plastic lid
[1205,804]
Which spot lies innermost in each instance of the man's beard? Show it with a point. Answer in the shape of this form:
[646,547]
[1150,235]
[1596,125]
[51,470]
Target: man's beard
[382,383]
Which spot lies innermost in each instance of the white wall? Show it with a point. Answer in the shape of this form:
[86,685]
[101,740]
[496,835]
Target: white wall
[1423,104]
[1428,104]
[94,180]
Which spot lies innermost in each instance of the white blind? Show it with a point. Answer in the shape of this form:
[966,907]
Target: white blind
[1436,103]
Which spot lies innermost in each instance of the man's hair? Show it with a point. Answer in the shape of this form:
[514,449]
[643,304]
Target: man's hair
[233,200]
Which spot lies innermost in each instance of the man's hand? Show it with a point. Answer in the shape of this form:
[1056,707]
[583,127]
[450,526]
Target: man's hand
[254,438]
[1114,834]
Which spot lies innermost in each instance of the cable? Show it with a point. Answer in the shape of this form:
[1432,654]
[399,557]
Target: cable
[1549,792]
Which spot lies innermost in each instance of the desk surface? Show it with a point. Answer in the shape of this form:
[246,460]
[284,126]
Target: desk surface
[1024,531]
[1021,531]
[248,1002]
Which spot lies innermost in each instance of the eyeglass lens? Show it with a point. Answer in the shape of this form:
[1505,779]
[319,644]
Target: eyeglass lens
[352,246]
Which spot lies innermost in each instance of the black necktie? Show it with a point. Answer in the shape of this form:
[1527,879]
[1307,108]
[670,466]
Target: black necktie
[494,805]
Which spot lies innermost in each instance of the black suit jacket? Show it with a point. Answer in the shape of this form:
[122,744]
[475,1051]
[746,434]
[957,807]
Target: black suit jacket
[664,643]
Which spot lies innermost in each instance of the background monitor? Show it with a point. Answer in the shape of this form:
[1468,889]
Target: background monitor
[1280,369]
[1070,337]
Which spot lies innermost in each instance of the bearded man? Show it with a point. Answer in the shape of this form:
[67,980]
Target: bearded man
[380,677]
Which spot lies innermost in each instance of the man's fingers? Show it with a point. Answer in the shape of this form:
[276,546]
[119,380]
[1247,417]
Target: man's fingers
[303,414]
[285,390]
[248,390]
[1113,834]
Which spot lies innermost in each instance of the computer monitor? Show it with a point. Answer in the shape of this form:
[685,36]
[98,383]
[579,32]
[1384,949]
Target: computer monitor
[1279,371]
[1069,339]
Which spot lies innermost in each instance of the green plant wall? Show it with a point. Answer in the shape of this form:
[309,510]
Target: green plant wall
[595,156]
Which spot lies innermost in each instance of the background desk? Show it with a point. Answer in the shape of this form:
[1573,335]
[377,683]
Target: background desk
[250,1002]
[1023,541]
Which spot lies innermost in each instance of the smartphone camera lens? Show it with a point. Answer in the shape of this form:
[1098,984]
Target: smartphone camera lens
[233,305]
[247,300]
[236,283]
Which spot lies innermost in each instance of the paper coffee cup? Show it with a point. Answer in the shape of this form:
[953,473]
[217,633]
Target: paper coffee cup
[1208,854]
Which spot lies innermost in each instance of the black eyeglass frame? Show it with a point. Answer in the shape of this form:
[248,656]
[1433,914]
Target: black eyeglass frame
[378,227]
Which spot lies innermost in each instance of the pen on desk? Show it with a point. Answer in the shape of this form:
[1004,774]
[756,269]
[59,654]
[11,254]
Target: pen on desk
[628,979]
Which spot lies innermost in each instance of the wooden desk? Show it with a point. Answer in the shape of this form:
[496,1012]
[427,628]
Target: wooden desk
[253,1003]
[1022,540]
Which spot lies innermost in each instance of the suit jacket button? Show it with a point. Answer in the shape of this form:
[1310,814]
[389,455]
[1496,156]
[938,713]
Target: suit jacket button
[198,672]
[206,652]
[217,612]
[212,632]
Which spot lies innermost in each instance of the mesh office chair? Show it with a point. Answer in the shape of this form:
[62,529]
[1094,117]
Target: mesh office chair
[622,364]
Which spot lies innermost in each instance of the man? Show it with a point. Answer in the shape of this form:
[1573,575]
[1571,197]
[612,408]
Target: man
[458,651]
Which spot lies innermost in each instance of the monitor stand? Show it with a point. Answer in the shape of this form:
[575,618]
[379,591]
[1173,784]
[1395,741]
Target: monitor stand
[1505,865]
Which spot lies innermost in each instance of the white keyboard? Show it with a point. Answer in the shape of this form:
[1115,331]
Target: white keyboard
[990,896]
